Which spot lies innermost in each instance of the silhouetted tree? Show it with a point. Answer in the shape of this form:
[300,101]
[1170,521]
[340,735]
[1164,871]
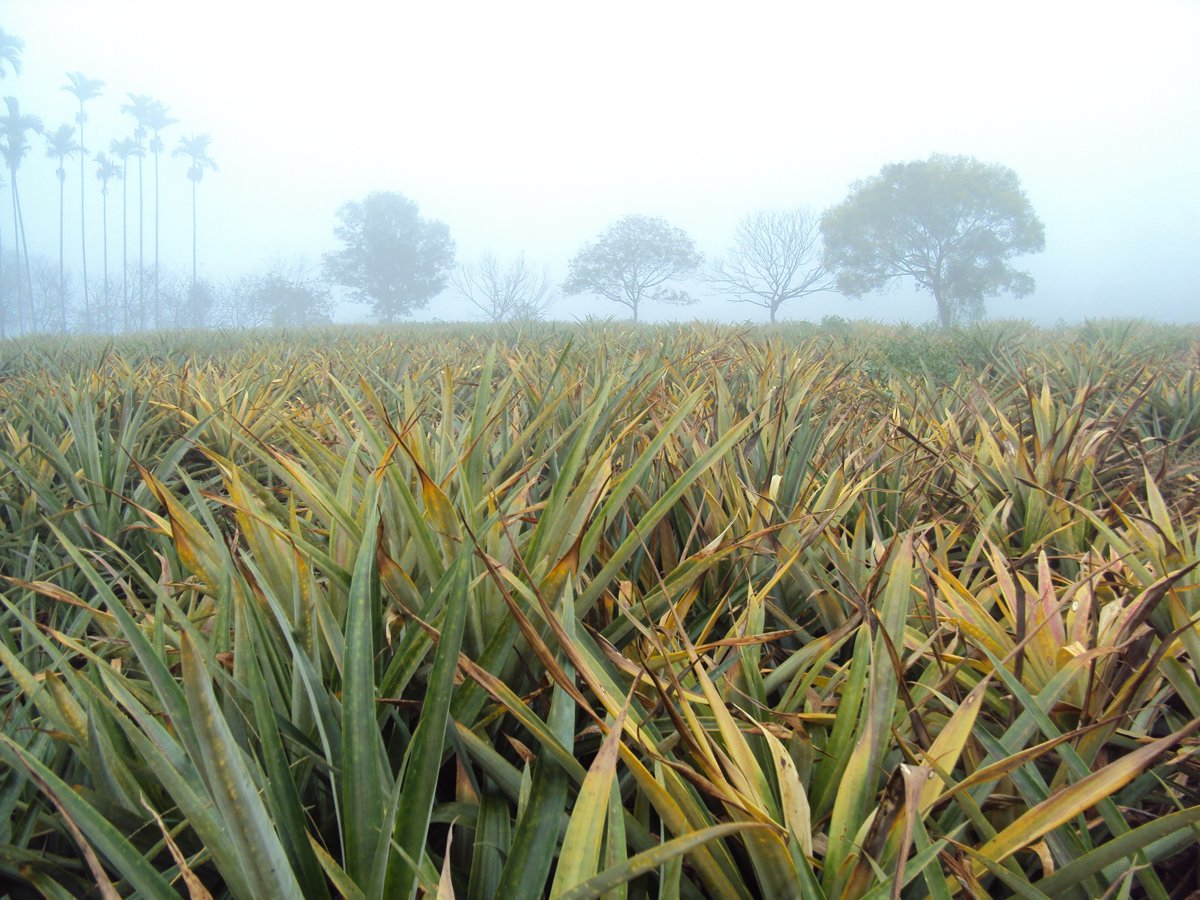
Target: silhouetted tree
[140,106]
[126,148]
[83,89]
[60,145]
[512,292]
[10,58]
[195,148]
[632,261]
[14,144]
[158,120]
[951,223]
[393,259]
[776,257]
[286,297]
[106,171]
[10,53]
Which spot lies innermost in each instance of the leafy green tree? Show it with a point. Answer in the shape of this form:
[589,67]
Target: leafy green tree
[61,146]
[776,257]
[106,171]
[288,299]
[195,148]
[393,259]
[126,148]
[15,127]
[83,89]
[951,223]
[632,261]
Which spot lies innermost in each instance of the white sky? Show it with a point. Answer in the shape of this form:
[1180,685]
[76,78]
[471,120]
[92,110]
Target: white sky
[529,126]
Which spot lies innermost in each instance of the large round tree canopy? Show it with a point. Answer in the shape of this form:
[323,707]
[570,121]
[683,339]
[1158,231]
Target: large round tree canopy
[951,223]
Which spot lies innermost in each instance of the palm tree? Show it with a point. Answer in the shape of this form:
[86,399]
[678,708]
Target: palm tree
[14,128]
[60,145]
[83,89]
[106,170]
[10,56]
[195,148]
[125,149]
[139,106]
[158,119]
[10,52]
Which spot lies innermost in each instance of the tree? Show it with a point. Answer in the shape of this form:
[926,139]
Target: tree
[60,145]
[288,298]
[632,261]
[158,119]
[106,171]
[392,259]
[141,107]
[195,148]
[10,57]
[951,223]
[10,53]
[83,89]
[126,148]
[505,293]
[14,129]
[776,257]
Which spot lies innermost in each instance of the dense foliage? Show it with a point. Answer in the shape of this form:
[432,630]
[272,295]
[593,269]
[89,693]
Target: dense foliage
[950,223]
[391,257]
[826,612]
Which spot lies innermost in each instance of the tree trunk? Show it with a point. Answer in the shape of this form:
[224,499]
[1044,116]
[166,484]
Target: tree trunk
[87,314]
[943,307]
[24,251]
[157,304]
[62,272]
[141,311]
[193,237]
[17,260]
[125,243]
[108,316]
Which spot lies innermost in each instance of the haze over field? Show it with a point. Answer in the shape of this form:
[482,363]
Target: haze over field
[532,126]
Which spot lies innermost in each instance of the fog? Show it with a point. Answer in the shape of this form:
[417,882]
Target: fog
[531,126]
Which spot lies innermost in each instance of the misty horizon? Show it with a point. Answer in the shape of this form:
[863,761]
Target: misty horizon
[532,130]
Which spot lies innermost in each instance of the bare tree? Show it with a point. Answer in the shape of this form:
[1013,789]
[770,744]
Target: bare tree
[776,257]
[512,292]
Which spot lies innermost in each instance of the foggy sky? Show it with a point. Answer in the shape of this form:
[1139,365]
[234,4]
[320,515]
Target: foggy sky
[530,126]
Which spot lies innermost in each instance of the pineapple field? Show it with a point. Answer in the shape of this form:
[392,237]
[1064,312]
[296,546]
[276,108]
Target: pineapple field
[848,611]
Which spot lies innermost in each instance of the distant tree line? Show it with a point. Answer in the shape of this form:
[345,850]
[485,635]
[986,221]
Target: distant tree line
[134,295]
[950,225]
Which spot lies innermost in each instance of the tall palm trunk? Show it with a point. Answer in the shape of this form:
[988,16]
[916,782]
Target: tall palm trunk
[62,271]
[87,312]
[25,252]
[193,238]
[17,259]
[108,316]
[124,244]
[141,251]
[156,303]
